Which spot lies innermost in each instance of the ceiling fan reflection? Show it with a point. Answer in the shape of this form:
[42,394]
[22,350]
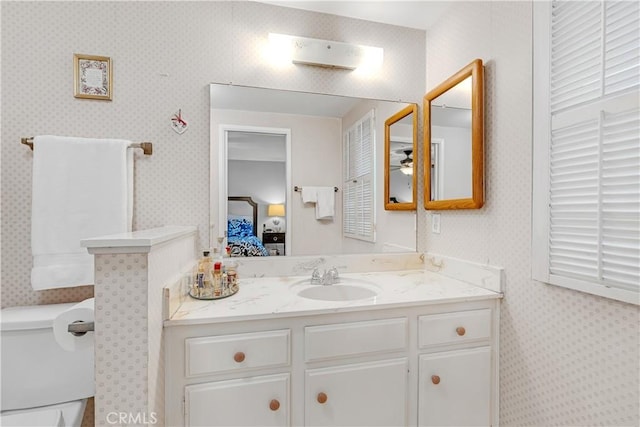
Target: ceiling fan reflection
[406,164]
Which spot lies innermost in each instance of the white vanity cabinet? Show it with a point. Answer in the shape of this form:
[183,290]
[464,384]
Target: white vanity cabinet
[346,393]
[260,401]
[264,397]
[362,367]
[361,394]
[455,368]
[455,388]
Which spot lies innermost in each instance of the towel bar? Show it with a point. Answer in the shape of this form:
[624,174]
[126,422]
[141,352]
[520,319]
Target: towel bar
[296,188]
[147,147]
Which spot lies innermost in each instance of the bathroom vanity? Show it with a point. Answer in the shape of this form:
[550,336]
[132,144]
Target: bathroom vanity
[390,348]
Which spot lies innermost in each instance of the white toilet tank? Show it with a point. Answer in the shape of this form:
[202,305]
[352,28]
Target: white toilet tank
[36,371]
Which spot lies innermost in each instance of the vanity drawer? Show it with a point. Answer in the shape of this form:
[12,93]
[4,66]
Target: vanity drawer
[229,353]
[354,339]
[454,328]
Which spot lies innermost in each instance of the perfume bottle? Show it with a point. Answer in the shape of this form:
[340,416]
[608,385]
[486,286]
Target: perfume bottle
[217,279]
[203,279]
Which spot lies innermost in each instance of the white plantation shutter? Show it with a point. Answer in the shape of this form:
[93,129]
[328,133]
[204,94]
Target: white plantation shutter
[575,53]
[587,147]
[358,194]
[620,200]
[349,210]
[621,35]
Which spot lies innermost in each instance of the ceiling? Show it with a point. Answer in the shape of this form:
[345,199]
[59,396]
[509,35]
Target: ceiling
[413,14]
[248,98]
[257,146]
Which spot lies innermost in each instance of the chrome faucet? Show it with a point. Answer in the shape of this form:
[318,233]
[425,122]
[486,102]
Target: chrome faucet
[316,279]
[329,277]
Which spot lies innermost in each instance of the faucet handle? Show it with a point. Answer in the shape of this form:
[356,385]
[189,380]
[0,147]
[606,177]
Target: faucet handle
[315,277]
[334,275]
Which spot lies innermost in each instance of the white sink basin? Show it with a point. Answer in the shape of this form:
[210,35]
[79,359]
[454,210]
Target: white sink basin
[345,290]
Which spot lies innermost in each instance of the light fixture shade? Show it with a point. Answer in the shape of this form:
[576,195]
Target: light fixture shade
[325,53]
[275,210]
[407,170]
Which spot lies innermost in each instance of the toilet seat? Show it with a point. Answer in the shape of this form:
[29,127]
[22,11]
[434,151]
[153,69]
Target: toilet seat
[68,414]
[50,417]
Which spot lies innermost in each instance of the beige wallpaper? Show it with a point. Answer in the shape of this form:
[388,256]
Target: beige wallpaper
[566,358]
[164,56]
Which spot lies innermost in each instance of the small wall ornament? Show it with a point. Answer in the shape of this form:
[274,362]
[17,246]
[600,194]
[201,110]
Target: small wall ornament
[179,124]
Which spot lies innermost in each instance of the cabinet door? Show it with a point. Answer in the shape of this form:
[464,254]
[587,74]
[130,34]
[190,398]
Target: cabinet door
[262,401]
[455,388]
[363,394]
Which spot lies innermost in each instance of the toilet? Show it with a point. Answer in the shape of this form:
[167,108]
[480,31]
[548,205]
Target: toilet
[42,384]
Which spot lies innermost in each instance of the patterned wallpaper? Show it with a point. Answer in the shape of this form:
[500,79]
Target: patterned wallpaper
[164,56]
[129,333]
[121,335]
[566,358]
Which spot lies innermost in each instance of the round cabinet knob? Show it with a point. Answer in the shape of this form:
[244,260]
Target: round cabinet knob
[239,357]
[460,331]
[274,405]
[275,238]
[322,398]
[435,379]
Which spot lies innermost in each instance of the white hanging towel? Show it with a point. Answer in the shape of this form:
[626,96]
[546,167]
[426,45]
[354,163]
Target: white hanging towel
[323,197]
[309,194]
[81,188]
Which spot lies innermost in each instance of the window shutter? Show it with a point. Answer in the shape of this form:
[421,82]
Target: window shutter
[620,200]
[573,240]
[593,120]
[622,43]
[349,203]
[575,53]
[358,195]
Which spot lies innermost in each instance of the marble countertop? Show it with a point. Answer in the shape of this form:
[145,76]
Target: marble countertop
[266,297]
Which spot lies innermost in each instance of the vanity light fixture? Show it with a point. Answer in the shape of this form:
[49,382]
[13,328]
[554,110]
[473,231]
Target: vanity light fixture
[324,53]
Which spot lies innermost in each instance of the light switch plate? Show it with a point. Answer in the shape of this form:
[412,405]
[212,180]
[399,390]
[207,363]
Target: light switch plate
[435,223]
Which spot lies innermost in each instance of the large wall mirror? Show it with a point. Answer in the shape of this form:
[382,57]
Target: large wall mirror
[454,140]
[400,146]
[267,145]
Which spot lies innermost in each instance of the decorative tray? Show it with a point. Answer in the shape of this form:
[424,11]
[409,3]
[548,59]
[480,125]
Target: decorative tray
[227,293]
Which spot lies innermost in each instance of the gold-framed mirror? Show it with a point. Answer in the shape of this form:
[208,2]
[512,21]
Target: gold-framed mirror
[454,141]
[400,147]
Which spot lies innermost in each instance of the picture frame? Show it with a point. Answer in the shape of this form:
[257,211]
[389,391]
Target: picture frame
[92,77]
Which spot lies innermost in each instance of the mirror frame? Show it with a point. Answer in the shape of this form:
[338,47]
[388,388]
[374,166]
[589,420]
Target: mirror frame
[409,109]
[476,71]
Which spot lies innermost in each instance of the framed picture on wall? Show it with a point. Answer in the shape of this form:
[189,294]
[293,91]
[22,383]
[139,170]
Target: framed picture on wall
[92,77]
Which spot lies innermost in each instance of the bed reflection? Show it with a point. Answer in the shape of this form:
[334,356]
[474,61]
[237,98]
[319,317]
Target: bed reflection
[242,236]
